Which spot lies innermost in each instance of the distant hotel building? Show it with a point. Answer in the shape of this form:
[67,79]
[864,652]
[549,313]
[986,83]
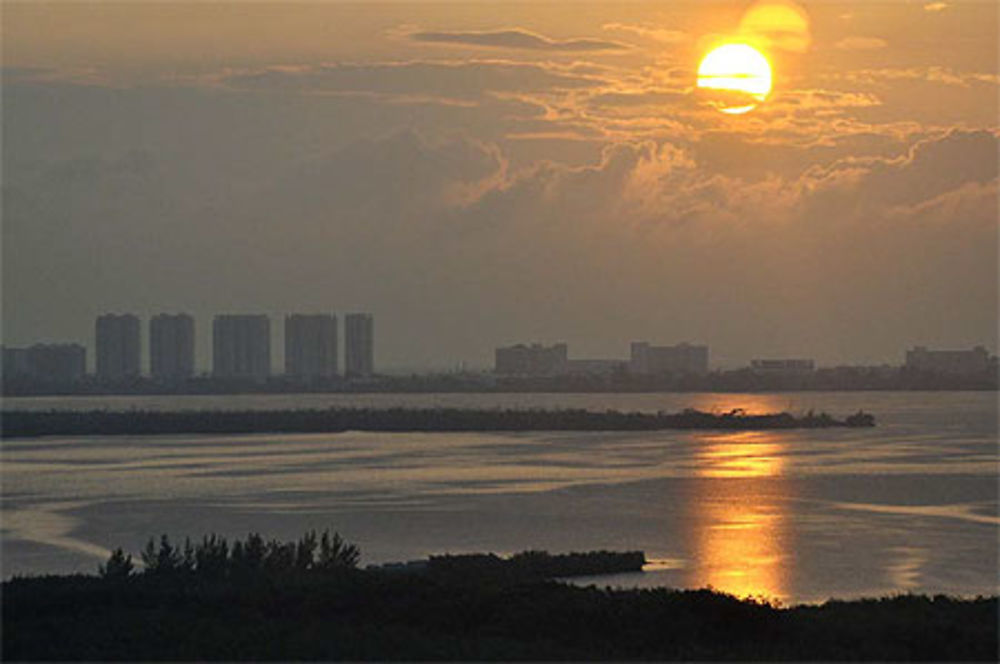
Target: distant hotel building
[171,346]
[359,345]
[533,360]
[241,347]
[683,359]
[52,363]
[311,346]
[117,341]
[975,361]
[784,367]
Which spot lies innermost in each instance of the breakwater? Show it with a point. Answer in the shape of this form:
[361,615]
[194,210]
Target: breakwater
[22,424]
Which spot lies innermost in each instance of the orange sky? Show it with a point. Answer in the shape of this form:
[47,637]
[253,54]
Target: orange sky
[483,173]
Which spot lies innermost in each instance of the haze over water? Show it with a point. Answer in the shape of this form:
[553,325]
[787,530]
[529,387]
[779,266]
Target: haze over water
[909,506]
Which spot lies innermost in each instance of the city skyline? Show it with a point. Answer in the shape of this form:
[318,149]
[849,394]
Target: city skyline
[311,350]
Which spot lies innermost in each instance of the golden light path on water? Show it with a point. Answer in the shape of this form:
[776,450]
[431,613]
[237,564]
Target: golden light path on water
[741,527]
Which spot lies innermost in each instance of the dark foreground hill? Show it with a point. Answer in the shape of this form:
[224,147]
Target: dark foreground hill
[268,602]
[17,424]
[364,615]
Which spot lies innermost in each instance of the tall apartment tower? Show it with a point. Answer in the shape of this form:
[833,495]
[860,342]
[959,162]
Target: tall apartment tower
[359,345]
[241,347]
[171,346]
[117,344]
[311,346]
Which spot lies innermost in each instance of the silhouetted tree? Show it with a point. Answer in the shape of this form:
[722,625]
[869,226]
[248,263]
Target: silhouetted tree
[212,556]
[305,551]
[334,552]
[165,560]
[119,566]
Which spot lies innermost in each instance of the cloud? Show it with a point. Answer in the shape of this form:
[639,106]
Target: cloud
[861,43]
[516,38]
[781,24]
[455,80]
[930,168]
[79,75]
[936,6]
[931,74]
[649,31]
[643,98]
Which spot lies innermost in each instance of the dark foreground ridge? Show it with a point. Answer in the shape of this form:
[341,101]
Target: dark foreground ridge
[307,600]
[21,424]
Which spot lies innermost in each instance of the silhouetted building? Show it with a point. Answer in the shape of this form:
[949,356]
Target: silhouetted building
[783,367]
[171,346]
[683,358]
[241,346]
[533,360]
[52,363]
[973,361]
[311,346]
[117,346]
[595,367]
[15,362]
[359,345]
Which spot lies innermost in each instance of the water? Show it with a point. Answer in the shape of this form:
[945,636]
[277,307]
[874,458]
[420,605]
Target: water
[797,516]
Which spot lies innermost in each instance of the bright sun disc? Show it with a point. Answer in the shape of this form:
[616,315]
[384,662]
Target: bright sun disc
[738,76]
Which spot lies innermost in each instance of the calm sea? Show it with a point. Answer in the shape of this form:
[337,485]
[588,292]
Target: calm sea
[798,516]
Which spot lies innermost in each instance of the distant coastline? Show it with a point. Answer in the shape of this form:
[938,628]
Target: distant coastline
[27,424]
[838,379]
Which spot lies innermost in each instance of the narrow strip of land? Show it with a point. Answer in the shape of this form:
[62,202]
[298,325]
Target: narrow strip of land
[24,424]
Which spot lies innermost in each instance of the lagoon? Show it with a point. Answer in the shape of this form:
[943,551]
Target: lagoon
[797,516]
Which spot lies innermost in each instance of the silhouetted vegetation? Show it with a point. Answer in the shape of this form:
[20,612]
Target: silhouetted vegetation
[535,565]
[215,558]
[139,422]
[257,599]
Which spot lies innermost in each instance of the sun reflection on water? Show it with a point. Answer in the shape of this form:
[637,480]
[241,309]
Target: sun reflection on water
[740,516]
[750,403]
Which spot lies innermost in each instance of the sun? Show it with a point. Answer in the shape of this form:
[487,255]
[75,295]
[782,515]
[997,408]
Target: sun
[736,77]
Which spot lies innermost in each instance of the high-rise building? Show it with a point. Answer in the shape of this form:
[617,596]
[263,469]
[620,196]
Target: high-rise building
[359,345]
[241,346]
[171,346]
[683,359]
[311,346]
[117,346]
[533,360]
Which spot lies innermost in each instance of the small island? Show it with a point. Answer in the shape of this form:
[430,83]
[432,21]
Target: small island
[26,424]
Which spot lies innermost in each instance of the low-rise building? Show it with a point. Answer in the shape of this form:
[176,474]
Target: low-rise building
[595,367]
[974,361]
[533,360]
[684,358]
[783,367]
[51,363]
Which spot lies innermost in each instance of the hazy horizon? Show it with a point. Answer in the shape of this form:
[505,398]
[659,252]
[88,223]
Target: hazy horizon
[483,174]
